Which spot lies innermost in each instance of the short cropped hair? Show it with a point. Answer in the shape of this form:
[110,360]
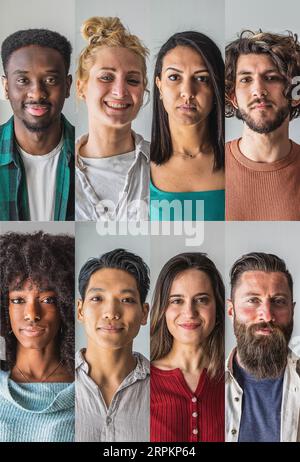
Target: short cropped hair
[258,261]
[283,49]
[117,259]
[40,37]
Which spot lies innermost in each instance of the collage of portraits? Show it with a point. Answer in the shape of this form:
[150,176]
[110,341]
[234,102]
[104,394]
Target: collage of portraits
[150,221]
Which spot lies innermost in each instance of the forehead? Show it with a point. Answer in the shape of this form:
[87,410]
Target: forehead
[255,63]
[30,285]
[183,56]
[118,58]
[190,282]
[112,280]
[261,282]
[33,57]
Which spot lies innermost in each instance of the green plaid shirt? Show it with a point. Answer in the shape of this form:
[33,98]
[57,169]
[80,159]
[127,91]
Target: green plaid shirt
[14,205]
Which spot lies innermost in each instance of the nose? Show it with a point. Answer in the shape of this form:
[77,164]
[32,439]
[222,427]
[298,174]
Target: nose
[259,88]
[119,88]
[37,91]
[32,311]
[265,311]
[189,309]
[111,310]
[187,90]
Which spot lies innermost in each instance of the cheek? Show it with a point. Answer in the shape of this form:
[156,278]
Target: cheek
[244,314]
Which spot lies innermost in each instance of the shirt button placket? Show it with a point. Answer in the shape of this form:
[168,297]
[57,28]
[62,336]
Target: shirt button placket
[194,421]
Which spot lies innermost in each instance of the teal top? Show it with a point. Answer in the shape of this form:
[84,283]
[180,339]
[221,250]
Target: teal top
[186,206]
[39,412]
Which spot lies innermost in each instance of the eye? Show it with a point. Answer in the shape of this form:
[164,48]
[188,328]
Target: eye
[17,300]
[270,78]
[49,300]
[22,81]
[106,78]
[202,300]
[253,300]
[279,301]
[176,301]
[51,80]
[245,80]
[134,82]
[202,78]
[173,77]
[96,298]
[129,300]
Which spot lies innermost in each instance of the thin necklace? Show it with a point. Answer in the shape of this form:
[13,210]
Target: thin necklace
[47,377]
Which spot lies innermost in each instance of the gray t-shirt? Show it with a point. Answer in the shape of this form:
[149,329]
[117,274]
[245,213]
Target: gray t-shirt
[261,407]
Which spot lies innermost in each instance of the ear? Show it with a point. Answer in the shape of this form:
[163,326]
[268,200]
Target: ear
[145,309]
[293,307]
[233,101]
[80,88]
[158,82]
[80,310]
[5,85]
[69,83]
[230,309]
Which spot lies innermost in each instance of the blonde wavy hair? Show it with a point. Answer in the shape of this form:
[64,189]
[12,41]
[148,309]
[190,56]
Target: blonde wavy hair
[101,31]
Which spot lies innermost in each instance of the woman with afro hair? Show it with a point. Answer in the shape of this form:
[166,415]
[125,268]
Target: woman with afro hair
[37,324]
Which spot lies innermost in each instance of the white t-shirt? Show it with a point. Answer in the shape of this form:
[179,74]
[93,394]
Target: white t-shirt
[40,174]
[107,175]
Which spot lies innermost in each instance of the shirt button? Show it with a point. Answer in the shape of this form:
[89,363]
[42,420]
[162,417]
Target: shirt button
[195,431]
[105,209]
[194,399]
[108,420]
[195,414]
[233,431]
[236,399]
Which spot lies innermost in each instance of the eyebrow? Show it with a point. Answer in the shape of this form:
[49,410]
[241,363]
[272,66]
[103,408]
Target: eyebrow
[124,291]
[171,68]
[113,69]
[277,294]
[196,295]
[47,71]
[246,72]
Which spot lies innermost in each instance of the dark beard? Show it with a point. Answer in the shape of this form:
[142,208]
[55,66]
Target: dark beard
[264,127]
[37,128]
[263,356]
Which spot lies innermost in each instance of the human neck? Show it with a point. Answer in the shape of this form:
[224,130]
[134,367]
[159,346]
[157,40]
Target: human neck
[109,365]
[35,365]
[268,147]
[188,358]
[104,141]
[190,141]
[38,143]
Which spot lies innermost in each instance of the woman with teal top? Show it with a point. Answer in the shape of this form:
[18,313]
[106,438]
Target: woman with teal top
[37,322]
[187,142]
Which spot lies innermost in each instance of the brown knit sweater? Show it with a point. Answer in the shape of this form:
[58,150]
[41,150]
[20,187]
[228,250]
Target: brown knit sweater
[262,191]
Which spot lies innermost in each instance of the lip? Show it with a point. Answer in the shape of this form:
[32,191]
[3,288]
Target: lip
[264,331]
[187,107]
[110,329]
[190,326]
[118,106]
[32,331]
[262,106]
[37,110]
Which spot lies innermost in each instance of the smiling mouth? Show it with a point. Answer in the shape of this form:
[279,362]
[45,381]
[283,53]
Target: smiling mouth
[32,331]
[37,110]
[190,326]
[117,106]
[110,329]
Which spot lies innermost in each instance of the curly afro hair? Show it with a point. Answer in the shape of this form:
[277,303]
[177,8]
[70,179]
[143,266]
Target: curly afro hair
[42,258]
[40,37]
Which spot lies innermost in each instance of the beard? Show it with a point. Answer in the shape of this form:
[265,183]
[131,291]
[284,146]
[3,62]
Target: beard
[264,126]
[263,356]
[37,128]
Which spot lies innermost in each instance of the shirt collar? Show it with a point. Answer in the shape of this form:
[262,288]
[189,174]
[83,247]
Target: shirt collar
[141,371]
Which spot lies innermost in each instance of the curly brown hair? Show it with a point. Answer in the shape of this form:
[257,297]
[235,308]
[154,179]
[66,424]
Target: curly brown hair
[42,258]
[283,49]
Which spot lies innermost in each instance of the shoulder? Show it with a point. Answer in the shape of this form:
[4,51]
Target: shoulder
[3,380]
[68,126]
[142,145]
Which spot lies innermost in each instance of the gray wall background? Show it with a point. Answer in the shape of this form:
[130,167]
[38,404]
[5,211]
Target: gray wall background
[270,16]
[153,21]
[30,227]
[55,15]
[279,238]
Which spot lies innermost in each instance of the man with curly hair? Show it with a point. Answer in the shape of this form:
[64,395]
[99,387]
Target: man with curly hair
[37,143]
[37,322]
[263,166]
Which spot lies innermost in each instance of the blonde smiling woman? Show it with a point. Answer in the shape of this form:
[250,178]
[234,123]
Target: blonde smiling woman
[112,162]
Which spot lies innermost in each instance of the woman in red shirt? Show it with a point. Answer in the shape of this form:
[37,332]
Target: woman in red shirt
[187,351]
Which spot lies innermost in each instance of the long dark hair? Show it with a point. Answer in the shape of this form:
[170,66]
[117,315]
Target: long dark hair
[161,143]
[161,339]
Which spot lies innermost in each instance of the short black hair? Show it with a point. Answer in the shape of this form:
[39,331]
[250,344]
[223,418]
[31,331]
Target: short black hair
[117,259]
[40,37]
[259,261]
[44,259]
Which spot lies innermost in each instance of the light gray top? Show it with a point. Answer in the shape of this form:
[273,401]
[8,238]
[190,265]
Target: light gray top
[131,188]
[128,417]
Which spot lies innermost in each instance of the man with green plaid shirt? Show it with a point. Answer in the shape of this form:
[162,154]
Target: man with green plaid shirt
[37,143]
